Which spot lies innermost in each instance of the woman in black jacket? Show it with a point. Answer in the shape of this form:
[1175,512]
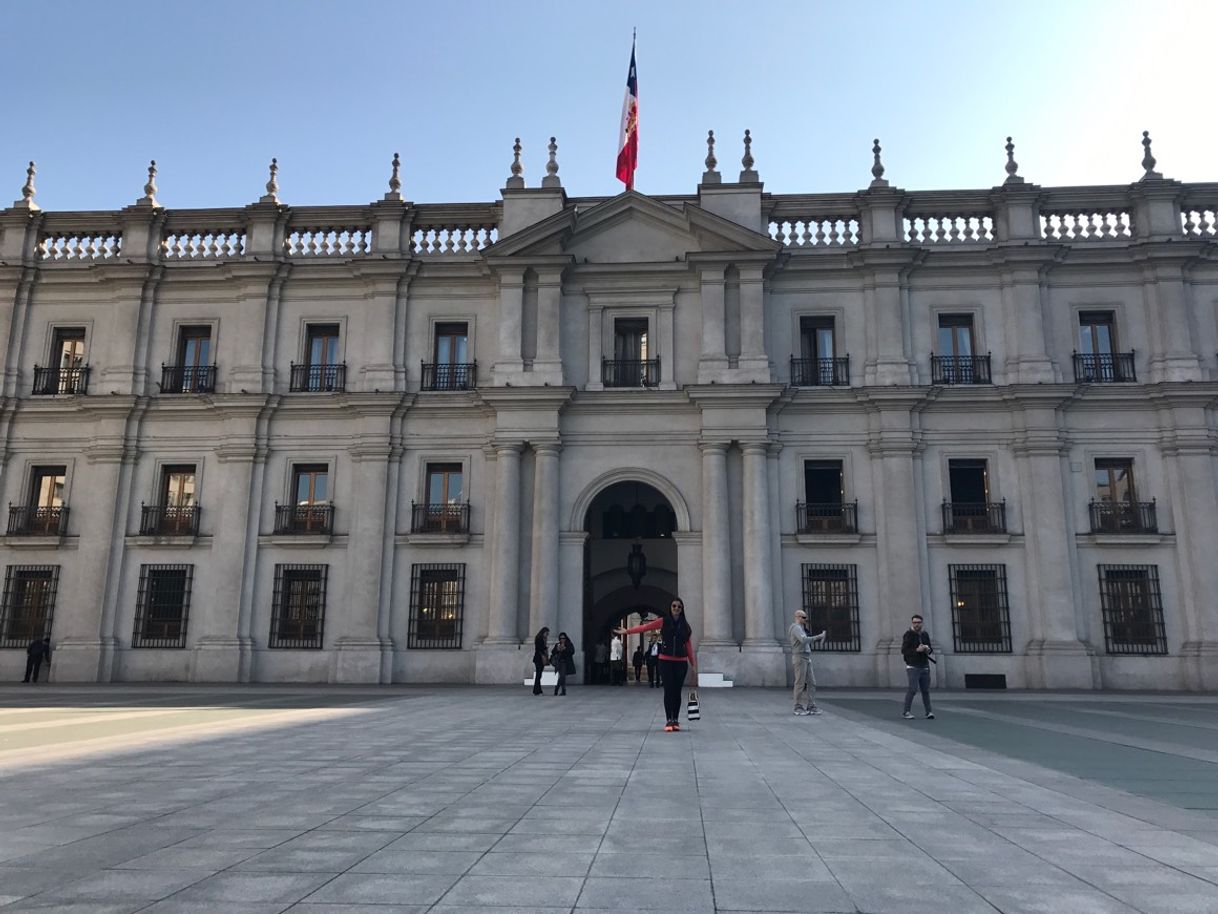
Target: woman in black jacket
[541,656]
[563,658]
[677,656]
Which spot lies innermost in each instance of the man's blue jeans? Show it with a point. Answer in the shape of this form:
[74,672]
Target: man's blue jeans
[919,679]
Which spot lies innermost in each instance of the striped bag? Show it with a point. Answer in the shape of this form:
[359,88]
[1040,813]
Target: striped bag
[692,711]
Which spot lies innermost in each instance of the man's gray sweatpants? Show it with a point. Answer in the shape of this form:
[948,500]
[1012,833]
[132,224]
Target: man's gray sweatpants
[805,682]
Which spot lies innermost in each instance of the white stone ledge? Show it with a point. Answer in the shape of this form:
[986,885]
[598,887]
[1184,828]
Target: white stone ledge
[178,542]
[302,540]
[1120,539]
[828,539]
[433,539]
[39,542]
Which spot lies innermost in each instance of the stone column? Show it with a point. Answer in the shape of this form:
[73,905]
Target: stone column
[547,363]
[754,363]
[762,664]
[503,587]
[543,589]
[571,586]
[713,362]
[509,363]
[1169,320]
[716,557]
[596,317]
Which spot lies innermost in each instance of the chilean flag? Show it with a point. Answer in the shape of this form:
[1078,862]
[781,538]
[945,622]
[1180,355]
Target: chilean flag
[628,141]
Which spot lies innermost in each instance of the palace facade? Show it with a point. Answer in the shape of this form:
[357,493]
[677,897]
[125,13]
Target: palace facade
[388,442]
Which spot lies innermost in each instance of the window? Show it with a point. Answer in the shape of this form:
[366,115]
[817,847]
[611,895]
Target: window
[1097,359]
[452,344]
[162,606]
[981,621]
[309,510]
[451,368]
[29,603]
[437,604]
[310,484]
[322,370]
[174,511]
[44,513]
[824,510]
[632,364]
[630,339]
[1096,333]
[1115,508]
[299,611]
[816,338]
[831,600]
[818,364]
[956,335]
[969,509]
[1133,609]
[823,482]
[322,345]
[955,361]
[444,510]
[47,486]
[1114,481]
[193,372]
[67,372]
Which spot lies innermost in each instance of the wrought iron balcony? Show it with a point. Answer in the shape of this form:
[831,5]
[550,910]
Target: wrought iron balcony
[975,517]
[1128,517]
[828,517]
[50,381]
[171,520]
[1104,368]
[630,372]
[304,519]
[820,372]
[318,378]
[188,379]
[450,375]
[29,520]
[445,518]
[960,369]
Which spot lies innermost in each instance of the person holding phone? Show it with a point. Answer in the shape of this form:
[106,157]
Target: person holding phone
[916,649]
[677,656]
[801,660]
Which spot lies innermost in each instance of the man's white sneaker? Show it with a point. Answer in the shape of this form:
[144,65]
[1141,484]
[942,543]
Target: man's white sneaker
[800,712]
[813,710]
[907,715]
[930,715]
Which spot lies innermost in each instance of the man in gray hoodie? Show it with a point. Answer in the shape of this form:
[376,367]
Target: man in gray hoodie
[801,660]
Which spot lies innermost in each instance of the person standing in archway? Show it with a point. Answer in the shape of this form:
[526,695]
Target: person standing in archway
[677,656]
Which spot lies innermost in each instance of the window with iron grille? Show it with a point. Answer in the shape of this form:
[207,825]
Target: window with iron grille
[163,606]
[831,600]
[1133,609]
[981,619]
[299,612]
[437,606]
[29,603]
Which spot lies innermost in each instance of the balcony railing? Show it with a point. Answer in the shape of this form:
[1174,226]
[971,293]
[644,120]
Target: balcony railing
[1128,517]
[447,518]
[827,517]
[960,369]
[28,520]
[974,517]
[630,372]
[450,375]
[1104,368]
[318,378]
[304,519]
[188,379]
[169,520]
[49,381]
[820,372]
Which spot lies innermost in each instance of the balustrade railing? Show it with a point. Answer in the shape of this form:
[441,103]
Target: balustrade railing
[828,517]
[188,379]
[327,241]
[80,245]
[949,228]
[449,376]
[630,372]
[203,243]
[1124,517]
[974,517]
[31,520]
[442,518]
[1104,367]
[51,381]
[820,372]
[304,519]
[960,369]
[318,378]
[169,520]
[1110,224]
[832,231]
[1199,221]
[456,238]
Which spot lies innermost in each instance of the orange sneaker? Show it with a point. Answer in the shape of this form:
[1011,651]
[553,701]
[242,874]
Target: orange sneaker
[675,725]
[668,728]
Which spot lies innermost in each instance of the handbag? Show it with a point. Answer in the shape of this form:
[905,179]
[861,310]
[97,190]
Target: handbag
[692,710]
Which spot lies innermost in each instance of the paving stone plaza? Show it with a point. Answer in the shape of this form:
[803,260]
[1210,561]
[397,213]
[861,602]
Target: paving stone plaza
[401,800]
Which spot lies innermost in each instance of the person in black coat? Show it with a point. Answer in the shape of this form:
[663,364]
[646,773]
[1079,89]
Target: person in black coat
[916,650]
[38,652]
[541,656]
[636,660]
[563,659]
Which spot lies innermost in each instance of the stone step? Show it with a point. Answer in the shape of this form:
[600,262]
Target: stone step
[713,681]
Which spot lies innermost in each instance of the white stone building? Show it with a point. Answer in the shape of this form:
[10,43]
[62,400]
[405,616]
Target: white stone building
[388,442]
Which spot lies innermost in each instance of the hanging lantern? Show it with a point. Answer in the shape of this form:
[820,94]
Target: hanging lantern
[636,565]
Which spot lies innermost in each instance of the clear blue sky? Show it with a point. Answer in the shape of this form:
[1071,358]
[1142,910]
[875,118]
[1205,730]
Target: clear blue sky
[213,90]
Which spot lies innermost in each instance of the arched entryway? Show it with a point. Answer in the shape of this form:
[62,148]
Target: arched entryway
[630,570]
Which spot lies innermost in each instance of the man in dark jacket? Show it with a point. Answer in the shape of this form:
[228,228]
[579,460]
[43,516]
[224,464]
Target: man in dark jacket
[38,651]
[916,649]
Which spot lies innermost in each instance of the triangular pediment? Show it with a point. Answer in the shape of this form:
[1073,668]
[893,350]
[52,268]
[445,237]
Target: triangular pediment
[632,228]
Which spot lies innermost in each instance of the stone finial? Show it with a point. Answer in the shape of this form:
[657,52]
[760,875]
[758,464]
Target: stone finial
[710,176]
[517,178]
[27,192]
[1148,161]
[877,169]
[551,178]
[1012,166]
[395,179]
[149,198]
[272,186]
[747,175]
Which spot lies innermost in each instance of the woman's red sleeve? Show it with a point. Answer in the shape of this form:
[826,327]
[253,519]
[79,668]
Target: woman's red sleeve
[645,627]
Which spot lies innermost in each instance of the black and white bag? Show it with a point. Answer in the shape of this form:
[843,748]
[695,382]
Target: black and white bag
[692,711]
